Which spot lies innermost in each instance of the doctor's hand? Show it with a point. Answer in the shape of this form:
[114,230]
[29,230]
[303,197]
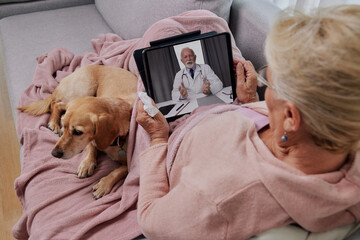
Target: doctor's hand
[246,82]
[183,91]
[206,87]
[157,126]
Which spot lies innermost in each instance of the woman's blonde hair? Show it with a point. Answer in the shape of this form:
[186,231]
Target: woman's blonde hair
[315,61]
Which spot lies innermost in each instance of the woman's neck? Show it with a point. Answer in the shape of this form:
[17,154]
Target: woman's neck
[304,155]
[315,160]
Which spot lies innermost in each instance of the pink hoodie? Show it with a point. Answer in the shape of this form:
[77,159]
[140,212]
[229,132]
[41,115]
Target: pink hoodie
[224,183]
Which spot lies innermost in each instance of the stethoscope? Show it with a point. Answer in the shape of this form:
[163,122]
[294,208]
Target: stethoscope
[187,77]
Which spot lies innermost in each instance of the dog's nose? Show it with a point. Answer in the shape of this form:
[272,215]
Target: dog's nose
[56,153]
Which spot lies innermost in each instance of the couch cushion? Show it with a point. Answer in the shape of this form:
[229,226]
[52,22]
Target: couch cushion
[249,34]
[24,37]
[14,7]
[128,24]
[13,1]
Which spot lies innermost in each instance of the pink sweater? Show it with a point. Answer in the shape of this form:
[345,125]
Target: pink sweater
[225,184]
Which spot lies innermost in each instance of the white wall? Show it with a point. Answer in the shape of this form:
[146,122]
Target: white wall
[196,46]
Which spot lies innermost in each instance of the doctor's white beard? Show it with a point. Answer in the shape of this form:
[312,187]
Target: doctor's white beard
[189,64]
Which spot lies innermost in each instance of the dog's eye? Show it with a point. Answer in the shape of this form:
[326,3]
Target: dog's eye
[77,132]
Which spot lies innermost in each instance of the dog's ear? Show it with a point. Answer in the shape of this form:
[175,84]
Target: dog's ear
[124,111]
[105,130]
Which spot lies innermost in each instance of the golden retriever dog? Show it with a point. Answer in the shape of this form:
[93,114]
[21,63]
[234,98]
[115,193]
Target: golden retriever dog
[97,101]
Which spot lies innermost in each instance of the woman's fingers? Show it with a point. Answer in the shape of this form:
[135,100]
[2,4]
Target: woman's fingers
[240,74]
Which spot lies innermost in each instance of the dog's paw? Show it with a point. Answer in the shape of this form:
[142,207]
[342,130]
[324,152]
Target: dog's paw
[102,188]
[86,168]
[54,127]
[61,132]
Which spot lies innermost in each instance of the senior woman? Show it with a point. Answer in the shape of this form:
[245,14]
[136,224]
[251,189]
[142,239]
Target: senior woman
[230,172]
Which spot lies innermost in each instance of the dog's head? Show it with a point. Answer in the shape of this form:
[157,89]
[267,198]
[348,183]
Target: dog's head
[91,120]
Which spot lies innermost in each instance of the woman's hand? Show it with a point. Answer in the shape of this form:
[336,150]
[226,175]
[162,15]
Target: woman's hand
[246,81]
[157,126]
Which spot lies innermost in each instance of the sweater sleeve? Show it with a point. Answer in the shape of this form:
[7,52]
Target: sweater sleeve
[181,212]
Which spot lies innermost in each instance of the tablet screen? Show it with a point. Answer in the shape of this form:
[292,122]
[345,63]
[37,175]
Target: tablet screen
[184,76]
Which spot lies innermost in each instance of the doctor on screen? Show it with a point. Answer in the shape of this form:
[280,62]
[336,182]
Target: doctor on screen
[194,78]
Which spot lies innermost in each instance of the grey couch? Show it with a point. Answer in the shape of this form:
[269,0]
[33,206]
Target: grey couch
[31,28]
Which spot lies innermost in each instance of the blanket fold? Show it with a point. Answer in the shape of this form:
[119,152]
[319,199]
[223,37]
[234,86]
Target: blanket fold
[57,204]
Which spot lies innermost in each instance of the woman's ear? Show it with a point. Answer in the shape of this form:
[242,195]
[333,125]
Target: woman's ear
[292,117]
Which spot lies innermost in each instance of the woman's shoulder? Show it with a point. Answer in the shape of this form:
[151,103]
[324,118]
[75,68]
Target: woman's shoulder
[220,132]
[216,151]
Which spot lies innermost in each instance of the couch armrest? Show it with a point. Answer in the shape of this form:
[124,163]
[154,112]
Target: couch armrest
[9,9]
[249,22]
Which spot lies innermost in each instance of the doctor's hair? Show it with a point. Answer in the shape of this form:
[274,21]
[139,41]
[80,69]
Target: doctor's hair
[315,62]
[185,48]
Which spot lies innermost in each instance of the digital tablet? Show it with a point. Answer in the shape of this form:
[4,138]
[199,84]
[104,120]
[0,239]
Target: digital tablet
[202,64]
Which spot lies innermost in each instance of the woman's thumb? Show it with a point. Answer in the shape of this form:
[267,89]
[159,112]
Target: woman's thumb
[240,74]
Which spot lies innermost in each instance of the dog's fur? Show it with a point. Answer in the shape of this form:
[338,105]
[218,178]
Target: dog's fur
[97,101]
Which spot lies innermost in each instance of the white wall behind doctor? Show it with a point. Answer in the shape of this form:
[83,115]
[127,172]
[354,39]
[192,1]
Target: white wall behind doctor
[195,46]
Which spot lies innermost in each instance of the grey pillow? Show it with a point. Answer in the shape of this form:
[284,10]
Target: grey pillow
[131,18]
[13,1]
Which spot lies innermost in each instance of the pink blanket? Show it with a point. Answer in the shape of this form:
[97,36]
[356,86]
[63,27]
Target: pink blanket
[56,203]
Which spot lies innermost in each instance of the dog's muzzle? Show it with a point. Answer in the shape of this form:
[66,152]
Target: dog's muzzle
[56,153]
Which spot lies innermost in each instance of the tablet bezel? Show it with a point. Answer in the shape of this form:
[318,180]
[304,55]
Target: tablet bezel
[147,70]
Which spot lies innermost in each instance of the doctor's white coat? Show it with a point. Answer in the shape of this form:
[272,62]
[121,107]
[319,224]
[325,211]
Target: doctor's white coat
[195,86]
